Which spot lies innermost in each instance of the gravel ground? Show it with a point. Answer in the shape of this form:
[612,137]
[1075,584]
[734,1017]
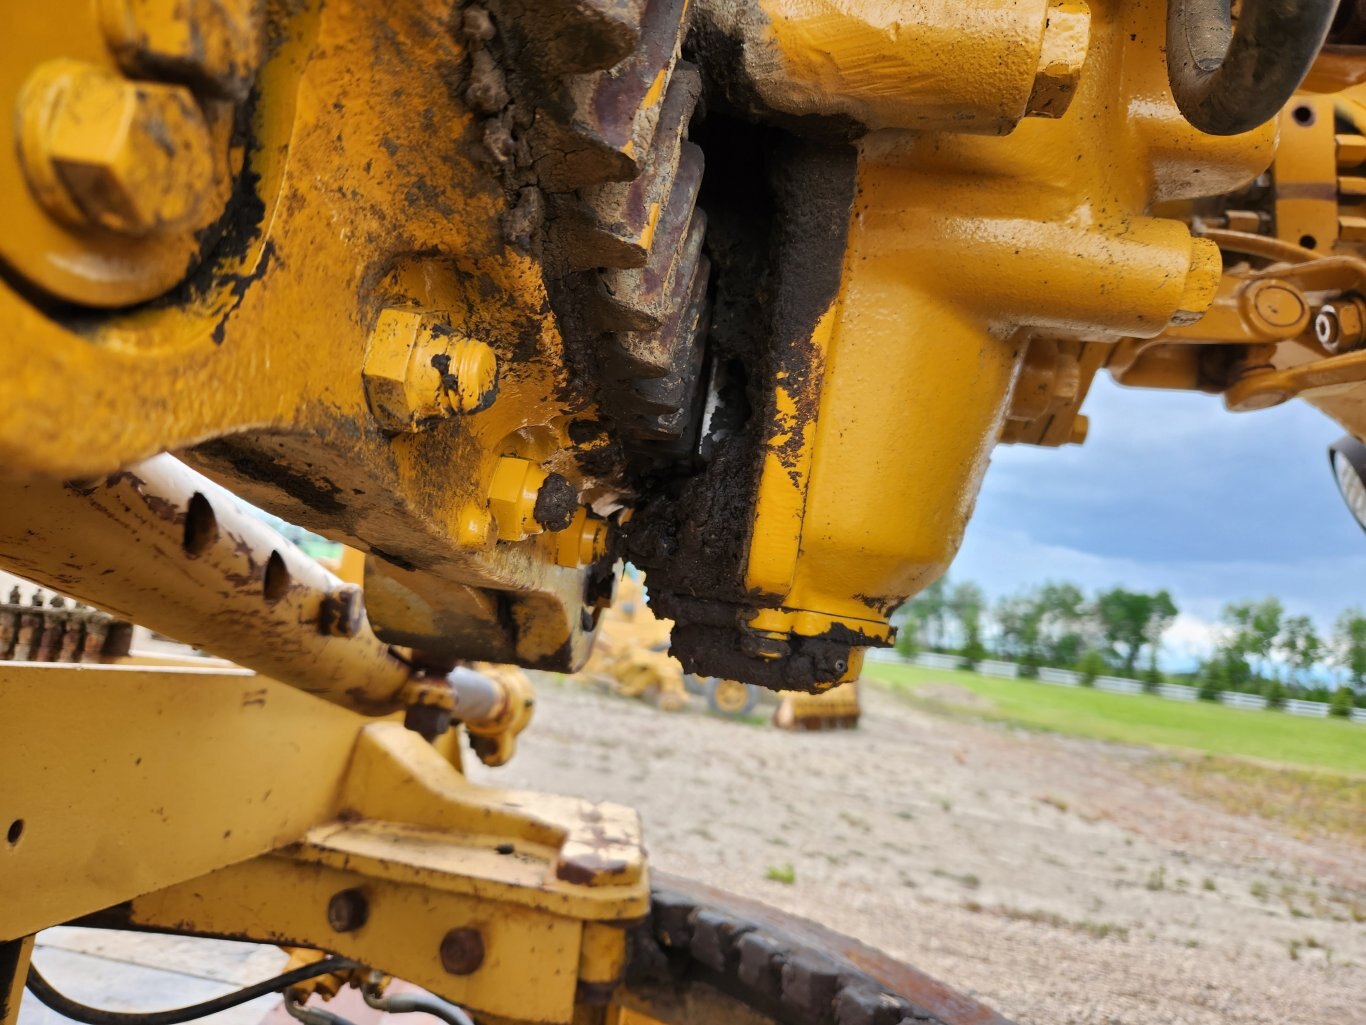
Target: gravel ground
[1052,878]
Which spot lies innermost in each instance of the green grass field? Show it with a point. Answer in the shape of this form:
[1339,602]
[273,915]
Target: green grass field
[1332,744]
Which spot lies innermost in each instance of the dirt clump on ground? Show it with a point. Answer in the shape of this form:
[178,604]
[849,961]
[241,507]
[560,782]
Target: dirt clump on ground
[1059,880]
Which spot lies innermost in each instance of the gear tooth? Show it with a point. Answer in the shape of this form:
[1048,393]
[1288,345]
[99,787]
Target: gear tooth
[672,919]
[582,239]
[646,291]
[633,213]
[865,1004]
[714,939]
[669,303]
[612,114]
[761,964]
[588,35]
[809,985]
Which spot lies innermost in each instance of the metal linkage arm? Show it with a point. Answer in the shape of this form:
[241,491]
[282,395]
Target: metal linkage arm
[162,545]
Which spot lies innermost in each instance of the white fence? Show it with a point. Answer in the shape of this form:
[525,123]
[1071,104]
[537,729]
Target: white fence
[934,660]
[1118,685]
[1317,709]
[1062,677]
[1114,684]
[990,667]
[1236,699]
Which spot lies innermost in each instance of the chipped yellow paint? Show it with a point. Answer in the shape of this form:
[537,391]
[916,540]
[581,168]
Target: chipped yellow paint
[656,91]
[647,236]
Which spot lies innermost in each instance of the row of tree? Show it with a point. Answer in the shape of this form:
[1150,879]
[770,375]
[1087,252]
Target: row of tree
[1259,649]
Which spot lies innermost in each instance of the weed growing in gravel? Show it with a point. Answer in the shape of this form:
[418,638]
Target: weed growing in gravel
[1208,884]
[1096,930]
[1258,889]
[1307,802]
[967,879]
[785,874]
[1054,802]
[1157,879]
[857,821]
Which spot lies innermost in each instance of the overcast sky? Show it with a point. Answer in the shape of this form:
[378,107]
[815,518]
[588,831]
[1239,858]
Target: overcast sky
[1171,490]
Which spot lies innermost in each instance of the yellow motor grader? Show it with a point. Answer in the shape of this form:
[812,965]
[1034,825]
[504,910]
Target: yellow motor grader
[502,293]
[631,657]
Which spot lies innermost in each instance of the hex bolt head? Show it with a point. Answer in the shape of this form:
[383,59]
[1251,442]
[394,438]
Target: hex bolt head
[1341,326]
[347,910]
[211,45]
[134,158]
[462,951]
[417,370]
[585,541]
[513,493]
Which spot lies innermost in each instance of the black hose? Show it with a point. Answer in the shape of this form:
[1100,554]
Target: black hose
[68,1008]
[1228,81]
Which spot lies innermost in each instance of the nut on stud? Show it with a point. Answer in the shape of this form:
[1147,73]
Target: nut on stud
[525,500]
[418,370]
[584,542]
[134,158]
[1341,326]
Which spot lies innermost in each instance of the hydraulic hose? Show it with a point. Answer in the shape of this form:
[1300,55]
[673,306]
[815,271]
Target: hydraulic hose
[76,1011]
[1228,81]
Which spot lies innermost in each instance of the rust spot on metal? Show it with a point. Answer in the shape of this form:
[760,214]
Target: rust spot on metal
[462,951]
[347,910]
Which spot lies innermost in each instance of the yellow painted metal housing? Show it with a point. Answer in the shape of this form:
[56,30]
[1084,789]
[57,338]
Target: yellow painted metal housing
[961,249]
[177,813]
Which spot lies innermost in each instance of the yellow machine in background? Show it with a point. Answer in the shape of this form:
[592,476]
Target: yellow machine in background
[632,657]
[631,653]
[501,294]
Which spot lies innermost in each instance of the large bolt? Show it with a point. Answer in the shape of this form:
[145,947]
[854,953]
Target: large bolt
[526,500]
[1341,326]
[584,542]
[469,374]
[462,951]
[347,910]
[418,370]
[130,157]
[211,45]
